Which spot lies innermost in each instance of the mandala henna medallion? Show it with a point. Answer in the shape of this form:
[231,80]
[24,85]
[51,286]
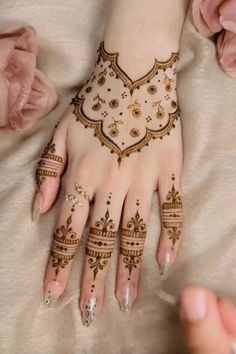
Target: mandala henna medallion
[132,242]
[153,95]
[172,214]
[49,164]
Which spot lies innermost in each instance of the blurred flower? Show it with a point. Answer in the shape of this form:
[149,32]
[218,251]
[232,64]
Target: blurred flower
[26,93]
[218,16]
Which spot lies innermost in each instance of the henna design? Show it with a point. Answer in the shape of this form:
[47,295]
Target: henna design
[107,69]
[172,214]
[160,109]
[64,246]
[98,105]
[100,243]
[134,132]
[168,83]
[132,242]
[114,131]
[49,164]
[135,108]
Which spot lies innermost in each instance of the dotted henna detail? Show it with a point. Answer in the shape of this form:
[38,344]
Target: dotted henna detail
[49,164]
[172,214]
[138,113]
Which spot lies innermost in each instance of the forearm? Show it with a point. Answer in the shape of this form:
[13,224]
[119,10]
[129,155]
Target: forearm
[141,30]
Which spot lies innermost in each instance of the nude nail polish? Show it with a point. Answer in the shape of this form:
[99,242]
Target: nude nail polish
[164,268]
[52,293]
[37,207]
[126,302]
[89,312]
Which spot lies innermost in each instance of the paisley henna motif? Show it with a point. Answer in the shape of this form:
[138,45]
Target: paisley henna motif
[49,164]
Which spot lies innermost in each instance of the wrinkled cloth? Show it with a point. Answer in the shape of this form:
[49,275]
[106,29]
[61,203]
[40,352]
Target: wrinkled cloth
[218,17]
[25,93]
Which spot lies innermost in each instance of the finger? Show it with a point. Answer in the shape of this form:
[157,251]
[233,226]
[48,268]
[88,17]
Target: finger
[50,167]
[132,239]
[201,321]
[99,247]
[171,208]
[227,312]
[66,238]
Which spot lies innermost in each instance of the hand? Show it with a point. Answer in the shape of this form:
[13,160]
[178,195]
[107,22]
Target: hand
[119,142]
[209,323]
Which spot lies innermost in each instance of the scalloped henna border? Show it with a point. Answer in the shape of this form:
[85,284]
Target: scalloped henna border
[105,140]
[132,85]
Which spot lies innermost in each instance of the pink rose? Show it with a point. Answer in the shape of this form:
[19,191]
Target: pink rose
[218,16]
[26,94]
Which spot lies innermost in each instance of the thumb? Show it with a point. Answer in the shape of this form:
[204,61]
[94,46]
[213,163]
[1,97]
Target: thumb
[202,324]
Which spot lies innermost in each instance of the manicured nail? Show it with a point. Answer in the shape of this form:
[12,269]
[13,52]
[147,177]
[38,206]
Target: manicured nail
[165,267]
[52,293]
[233,346]
[89,312]
[193,305]
[127,298]
[37,206]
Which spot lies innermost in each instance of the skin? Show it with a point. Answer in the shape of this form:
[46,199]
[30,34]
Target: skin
[216,331]
[138,176]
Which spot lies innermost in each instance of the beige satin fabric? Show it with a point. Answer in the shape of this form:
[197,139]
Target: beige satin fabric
[69,35]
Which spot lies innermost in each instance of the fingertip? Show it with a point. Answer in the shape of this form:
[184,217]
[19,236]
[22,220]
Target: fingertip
[193,304]
[227,311]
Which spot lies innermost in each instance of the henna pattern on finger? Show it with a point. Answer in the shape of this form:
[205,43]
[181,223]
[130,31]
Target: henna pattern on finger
[65,243]
[132,242]
[100,242]
[151,96]
[49,164]
[172,214]
[64,246]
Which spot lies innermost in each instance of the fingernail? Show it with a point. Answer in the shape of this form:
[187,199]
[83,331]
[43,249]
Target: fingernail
[89,312]
[193,305]
[127,298]
[37,206]
[52,293]
[165,267]
[233,346]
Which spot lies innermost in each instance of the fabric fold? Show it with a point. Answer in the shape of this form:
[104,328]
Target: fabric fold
[26,93]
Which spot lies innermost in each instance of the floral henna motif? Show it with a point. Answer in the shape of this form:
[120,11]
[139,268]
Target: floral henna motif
[132,242]
[172,214]
[49,164]
[64,245]
[100,243]
[140,102]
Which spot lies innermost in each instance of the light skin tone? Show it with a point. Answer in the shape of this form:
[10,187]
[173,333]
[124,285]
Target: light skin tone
[209,322]
[120,187]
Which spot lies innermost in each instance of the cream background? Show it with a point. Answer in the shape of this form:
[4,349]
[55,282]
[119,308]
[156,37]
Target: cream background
[69,34]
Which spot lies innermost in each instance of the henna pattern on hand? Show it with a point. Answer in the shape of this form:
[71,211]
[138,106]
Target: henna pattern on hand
[132,242]
[172,214]
[142,102]
[64,245]
[100,242]
[49,164]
